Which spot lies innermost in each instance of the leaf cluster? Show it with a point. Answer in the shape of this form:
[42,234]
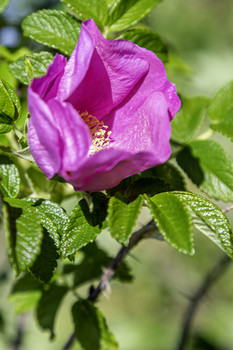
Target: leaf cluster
[53,251]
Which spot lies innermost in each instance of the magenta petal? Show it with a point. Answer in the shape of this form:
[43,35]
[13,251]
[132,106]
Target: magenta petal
[97,165]
[77,66]
[75,138]
[100,72]
[46,86]
[141,141]
[43,136]
[142,128]
[117,82]
[156,80]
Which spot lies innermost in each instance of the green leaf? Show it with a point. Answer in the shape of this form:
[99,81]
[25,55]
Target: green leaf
[24,233]
[90,327]
[96,211]
[6,104]
[39,64]
[5,124]
[29,69]
[111,2]
[123,185]
[122,217]
[53,28]
[221,106]
[3,5]
[46,262]
[10,108]
[83,225]
[146,185]
[221,111]
[48,306]
[91,267]
[210,167]
[201,226]
[212,217]
[26,293]
[168,173]
[127,13]
[95,9]
[53,217]
[149,40]
[9,177]
[14,99]
[188,120]
[123,273]
[173,220]
[224,128]
[38,180]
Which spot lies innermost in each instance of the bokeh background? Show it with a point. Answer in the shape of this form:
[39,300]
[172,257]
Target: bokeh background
[148,314]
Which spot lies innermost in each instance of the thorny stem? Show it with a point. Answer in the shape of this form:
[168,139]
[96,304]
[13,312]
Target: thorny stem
[216,271]
[109,272]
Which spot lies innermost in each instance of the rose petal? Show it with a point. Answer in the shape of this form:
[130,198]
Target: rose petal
[100,72]
[46,86]
[141,142]
[75,138]
[142,128]
[43,136]
[156,80]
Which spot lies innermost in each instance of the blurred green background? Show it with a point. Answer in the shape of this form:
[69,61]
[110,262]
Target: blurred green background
[147,314]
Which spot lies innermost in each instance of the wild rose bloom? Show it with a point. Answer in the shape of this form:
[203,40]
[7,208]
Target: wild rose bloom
[102,116]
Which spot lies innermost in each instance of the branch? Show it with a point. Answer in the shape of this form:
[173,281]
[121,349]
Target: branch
[109,272]
[227,209]
[216,271]
[17,342]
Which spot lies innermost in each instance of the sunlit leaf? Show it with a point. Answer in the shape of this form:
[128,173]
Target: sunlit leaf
[9,177]
[53,28]
[210,167]
[39,64]
[189,119]
[173,220]
[127,13]
[95,9]
[212,216]
[122,217]
[84,225]
[24,233]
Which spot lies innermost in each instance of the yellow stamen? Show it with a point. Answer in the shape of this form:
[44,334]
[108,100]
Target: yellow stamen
[100,136]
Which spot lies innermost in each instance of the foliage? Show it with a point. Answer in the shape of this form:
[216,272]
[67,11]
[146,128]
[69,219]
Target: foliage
[48,246]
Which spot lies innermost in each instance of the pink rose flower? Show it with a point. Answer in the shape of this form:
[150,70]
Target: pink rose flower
[102,116]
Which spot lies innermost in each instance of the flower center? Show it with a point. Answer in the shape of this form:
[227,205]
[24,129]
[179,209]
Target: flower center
[99,134]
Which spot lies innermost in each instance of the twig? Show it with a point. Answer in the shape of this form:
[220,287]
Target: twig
[70,342]
[17,342]
[109,272]
[209,280]
[227,209]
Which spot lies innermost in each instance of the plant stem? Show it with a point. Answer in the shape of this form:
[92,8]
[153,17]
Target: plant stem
[17,342]
[109,272]
[215,272]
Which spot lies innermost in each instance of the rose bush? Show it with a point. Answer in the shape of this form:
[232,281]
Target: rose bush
[103,115]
